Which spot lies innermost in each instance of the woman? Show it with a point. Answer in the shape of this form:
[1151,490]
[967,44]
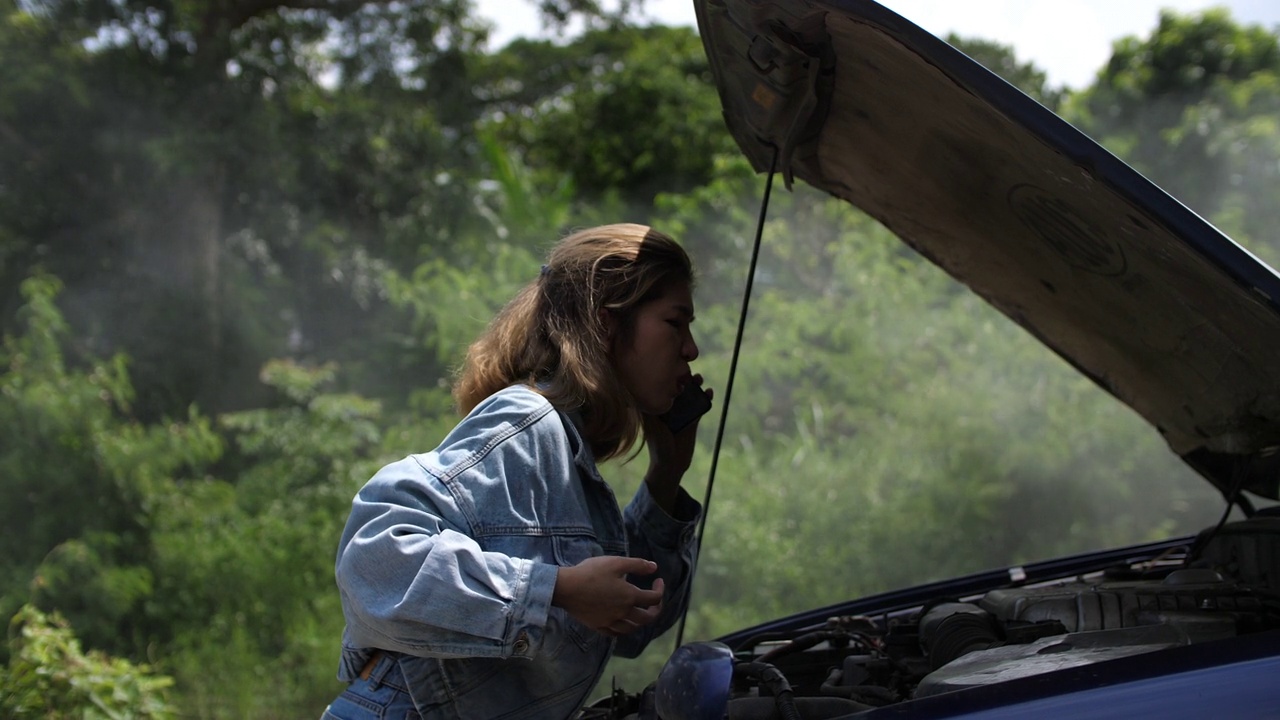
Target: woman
[494,576]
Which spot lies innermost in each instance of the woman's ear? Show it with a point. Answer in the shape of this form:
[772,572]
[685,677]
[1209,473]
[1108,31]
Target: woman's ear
[606,321]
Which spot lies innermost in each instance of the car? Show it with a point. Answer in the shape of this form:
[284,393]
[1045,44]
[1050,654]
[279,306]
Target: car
[1133,289]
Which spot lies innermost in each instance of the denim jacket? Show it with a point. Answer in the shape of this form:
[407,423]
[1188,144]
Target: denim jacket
[449,560]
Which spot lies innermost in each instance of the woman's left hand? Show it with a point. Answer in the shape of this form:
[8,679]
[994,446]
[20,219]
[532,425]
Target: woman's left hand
[669,455]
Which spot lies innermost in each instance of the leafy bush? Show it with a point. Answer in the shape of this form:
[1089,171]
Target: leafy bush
[49,676]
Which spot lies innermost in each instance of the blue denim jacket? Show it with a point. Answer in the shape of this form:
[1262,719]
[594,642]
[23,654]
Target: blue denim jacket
[449,558]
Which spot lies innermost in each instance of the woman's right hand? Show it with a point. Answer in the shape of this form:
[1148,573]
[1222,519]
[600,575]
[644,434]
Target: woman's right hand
[596,593]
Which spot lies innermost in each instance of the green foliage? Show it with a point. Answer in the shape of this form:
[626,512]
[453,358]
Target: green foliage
[519,211]
[1193,107]
[563,104]
[250,561]
[1000,59]
[889,429]
[450,300]
[238,176]
[888,425]
[277,227]
[50,677]
[82,477]
[166,553]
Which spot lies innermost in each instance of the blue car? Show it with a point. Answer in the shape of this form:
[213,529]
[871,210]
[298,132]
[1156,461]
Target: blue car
[1129,286]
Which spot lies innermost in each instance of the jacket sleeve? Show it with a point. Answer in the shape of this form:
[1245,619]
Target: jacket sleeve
[668,540]
[413,580]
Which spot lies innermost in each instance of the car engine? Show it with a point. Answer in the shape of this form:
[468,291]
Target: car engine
[1224,584]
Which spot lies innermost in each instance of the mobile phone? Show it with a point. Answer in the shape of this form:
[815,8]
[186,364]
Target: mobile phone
[691,404]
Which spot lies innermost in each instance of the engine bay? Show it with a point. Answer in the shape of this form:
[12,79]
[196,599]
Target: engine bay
[1221,585]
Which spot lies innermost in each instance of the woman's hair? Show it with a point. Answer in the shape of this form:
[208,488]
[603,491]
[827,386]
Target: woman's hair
[552,335]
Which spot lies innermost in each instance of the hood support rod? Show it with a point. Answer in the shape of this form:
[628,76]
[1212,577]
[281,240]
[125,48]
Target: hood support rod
[728,390]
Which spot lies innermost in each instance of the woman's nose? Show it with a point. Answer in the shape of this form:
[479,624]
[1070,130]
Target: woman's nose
[690,349]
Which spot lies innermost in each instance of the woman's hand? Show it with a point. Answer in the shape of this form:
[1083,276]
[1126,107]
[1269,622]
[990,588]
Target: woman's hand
[597,594]
[669,455]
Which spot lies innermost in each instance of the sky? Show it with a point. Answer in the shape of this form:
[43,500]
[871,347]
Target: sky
[1068,39]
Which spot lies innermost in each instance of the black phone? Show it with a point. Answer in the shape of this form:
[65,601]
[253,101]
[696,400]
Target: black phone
[691,404]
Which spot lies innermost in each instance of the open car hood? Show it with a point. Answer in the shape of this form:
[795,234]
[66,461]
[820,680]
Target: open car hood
[1135,290]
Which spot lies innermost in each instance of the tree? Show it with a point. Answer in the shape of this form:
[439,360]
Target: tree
[1001,60]
[211,172]
[1192,107]
[626,113]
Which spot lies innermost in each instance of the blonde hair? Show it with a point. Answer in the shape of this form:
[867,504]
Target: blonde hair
[552,336]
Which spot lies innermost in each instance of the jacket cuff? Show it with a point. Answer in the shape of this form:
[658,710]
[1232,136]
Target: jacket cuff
[669,532]
[529,614]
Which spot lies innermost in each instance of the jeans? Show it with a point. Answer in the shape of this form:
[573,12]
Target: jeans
[384,695]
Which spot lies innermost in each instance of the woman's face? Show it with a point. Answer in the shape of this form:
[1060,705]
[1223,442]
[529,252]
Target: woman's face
[654,365]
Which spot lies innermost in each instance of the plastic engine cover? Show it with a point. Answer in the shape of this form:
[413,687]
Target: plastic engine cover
[1010,662]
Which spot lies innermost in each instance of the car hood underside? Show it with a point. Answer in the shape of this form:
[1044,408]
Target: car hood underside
[1132,288]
